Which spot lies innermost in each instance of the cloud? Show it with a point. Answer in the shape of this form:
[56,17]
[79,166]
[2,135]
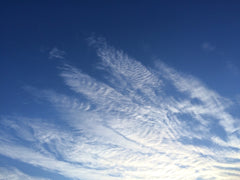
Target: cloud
[208,46]
[55,53]
[137,123]
[211,103]
[232,68]
[15,174]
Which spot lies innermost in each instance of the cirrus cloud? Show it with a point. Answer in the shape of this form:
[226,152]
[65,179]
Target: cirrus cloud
[136,123]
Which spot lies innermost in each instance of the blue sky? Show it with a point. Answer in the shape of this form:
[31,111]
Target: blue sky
[119,90]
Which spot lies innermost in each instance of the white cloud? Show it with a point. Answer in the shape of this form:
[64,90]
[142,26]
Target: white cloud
[211,103]
[130,126]
[56,53]
[15,174]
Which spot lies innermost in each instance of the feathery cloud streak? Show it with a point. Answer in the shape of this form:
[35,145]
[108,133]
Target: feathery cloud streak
[56,53]
[137,123]
[15,174]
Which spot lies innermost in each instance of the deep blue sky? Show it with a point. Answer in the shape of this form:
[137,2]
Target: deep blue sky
[172,31]
[200,38]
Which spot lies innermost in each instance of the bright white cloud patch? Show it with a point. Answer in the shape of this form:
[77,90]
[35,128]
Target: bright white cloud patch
[137,123]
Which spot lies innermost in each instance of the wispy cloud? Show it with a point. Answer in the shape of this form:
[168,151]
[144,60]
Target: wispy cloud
[15,174]
[234,69]
[138,123]
[56,53]
[208,46]
[210,102]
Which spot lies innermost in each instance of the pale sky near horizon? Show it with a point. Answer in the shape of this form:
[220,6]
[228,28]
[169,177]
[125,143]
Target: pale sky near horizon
[118,90]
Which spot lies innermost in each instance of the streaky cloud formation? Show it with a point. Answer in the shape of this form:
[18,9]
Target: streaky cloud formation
[15,174]
[136,122]
[56,53]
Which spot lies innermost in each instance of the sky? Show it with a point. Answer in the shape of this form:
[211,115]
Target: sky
[119,90]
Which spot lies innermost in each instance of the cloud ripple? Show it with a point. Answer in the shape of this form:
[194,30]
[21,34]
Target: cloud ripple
[136,122]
